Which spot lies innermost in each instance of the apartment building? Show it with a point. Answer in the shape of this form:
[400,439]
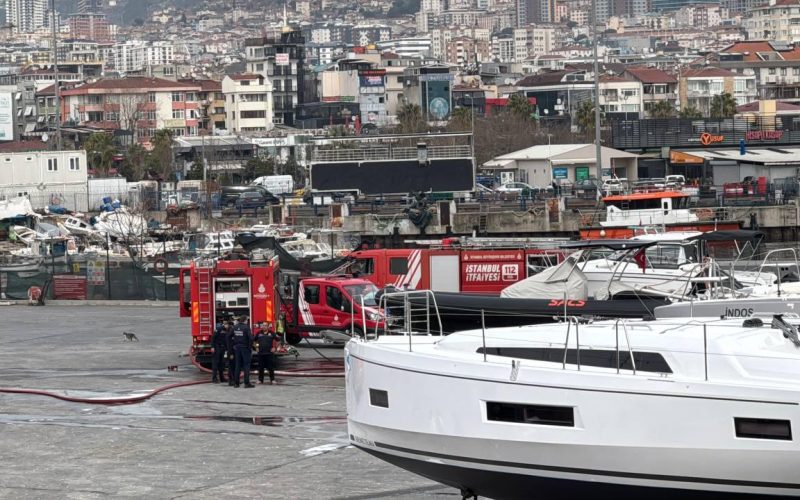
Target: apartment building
[281,60]
[698,86]
[248,103]
[94,27]
[777,21]
[136,105]
[26,16]
[776,66]
[657,86]
[138,55]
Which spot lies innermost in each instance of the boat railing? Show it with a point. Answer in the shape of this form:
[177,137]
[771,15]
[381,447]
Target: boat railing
[778,274]
[627,342]
[570,321]
[420,315]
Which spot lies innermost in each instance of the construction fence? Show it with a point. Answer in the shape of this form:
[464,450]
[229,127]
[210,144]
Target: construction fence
[92,280]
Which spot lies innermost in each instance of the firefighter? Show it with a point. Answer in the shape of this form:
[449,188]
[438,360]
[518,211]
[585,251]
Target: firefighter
[266,339]
[243,349]
[280,328]
[229,352]
[218,347]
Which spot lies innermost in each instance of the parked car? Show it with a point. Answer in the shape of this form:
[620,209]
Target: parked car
[251,199]
[586,186]
[230,194]
[675,181]
[515,187]
[615,186]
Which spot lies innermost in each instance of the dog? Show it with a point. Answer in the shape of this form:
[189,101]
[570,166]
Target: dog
[130,337]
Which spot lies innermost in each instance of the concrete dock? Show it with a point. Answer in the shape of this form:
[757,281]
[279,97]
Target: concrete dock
[287,441]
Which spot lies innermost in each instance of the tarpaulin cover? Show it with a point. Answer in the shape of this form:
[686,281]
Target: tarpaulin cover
[16,207]
[553,282]
[250,242]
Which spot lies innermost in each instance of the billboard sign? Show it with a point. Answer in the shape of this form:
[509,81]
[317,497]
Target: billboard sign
[6,116]
[371,80]
[560,172]
[282,59]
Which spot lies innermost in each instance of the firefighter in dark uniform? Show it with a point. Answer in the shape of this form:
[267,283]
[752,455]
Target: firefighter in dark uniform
[243,349]
[266,338]
[230,354]
[218,347]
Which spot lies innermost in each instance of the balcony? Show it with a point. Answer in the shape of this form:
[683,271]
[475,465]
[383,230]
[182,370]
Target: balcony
[669,96]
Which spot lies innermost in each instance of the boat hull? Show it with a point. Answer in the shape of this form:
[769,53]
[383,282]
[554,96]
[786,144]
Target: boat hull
[510,485]
[729,308]
[460,311]
[632,437]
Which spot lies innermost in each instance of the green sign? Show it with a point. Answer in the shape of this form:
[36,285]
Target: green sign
[581,173]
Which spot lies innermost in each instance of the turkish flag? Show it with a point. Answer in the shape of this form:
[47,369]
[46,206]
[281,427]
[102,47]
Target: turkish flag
[641,259]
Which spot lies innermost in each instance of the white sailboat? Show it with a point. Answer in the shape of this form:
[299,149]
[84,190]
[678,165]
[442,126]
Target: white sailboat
[663,409]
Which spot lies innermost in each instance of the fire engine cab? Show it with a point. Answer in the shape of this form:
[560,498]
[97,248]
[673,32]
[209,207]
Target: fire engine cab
[466,270]
[217,289]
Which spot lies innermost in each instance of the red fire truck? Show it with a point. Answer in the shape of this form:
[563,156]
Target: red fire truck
[466,269]
[216,289]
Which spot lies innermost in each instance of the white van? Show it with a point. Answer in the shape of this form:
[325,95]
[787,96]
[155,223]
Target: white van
[276,184]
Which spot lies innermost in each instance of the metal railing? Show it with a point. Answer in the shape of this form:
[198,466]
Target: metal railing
[390,153]
[778,274]
[426,304]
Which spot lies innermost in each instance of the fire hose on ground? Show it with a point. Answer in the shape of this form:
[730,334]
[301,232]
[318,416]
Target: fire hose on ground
[327,372]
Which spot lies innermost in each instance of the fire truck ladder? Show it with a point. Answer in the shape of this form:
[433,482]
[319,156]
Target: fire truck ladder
[204,297]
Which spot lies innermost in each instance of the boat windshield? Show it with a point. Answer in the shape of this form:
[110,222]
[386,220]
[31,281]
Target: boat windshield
[367,291]
[662,255]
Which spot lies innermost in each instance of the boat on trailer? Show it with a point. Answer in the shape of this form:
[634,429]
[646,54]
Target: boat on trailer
[665,409]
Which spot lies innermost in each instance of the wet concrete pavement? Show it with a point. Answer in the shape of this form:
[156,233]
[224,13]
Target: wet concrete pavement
[286,441]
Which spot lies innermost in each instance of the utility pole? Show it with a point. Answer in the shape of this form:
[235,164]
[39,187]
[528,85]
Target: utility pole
[598,147]
[55,75]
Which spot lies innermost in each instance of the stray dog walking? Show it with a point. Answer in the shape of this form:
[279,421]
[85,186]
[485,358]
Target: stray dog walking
[130,337]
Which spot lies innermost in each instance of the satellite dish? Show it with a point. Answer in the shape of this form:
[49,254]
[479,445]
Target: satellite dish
[45,137]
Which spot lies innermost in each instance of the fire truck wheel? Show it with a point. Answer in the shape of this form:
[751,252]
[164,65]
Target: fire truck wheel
[293,338]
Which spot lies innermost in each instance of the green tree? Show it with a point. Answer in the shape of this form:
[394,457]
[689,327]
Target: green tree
[161,158]
[100,152]
[723,106]
[135,161]
[258,166]
[690,112]
[662,109]
[518,104]
[297,171]
[410,117]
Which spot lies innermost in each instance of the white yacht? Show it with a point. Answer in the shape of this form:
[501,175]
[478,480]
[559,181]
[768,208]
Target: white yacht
[666,409]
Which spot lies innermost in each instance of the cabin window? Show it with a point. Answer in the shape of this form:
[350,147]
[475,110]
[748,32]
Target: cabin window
[334,297]
[763,428]
[602,358]
[365,267]
[311,294]
[664,257]
[398,265]
[379,398]
[561,416]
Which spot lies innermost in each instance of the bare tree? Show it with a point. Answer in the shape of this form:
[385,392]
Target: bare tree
[131,111]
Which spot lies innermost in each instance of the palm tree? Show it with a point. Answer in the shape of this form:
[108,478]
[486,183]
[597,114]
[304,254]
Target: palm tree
[662,109]
[519,105]
[584,117]
[410,117]
[460,120]
[100,152]
[690,112]
[723,106]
